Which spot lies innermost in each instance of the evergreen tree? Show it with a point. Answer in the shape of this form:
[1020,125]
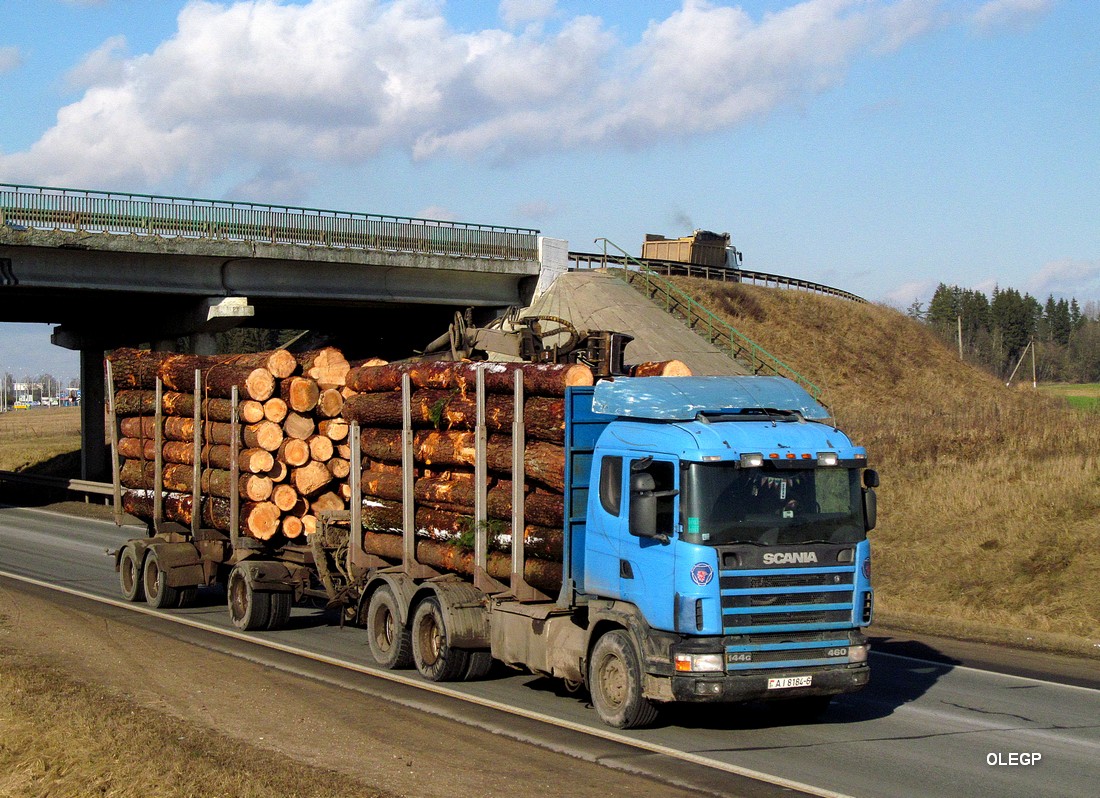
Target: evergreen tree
[1061,325]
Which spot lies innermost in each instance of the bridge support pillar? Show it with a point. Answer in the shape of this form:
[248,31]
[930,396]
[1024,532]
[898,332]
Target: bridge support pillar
[94,454]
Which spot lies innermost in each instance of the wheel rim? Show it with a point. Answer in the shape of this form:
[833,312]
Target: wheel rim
[385,629]
[129,574]
[613,681]
[431,641]
[152,578]
[238,598]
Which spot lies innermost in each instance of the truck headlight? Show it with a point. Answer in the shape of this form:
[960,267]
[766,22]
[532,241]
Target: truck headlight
[857,653]
[704,663]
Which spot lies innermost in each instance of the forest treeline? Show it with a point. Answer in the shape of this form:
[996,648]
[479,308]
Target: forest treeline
[996,330]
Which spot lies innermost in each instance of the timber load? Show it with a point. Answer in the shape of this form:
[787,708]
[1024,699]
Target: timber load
[288,434]
[444,416]
[294,415]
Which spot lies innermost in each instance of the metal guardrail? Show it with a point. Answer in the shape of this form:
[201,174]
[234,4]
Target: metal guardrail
[670,268]
[87,487]
[699,318]
[110,212]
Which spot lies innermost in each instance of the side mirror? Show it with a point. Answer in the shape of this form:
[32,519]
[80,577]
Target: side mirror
[870,508]
[643,505]
[870,478]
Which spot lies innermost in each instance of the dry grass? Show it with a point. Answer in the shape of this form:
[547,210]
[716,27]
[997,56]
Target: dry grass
[990,496]
[29,437]
[67,739]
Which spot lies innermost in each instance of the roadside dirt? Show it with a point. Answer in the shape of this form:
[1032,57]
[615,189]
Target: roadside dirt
[92,706]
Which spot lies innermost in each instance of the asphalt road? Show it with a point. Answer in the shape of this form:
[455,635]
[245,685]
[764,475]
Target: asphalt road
[922,728]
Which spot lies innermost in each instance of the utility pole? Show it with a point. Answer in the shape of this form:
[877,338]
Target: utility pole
[960,318]
[1031,346]
[1034,383]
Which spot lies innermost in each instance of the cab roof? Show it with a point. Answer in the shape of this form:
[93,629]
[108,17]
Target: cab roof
[684,398]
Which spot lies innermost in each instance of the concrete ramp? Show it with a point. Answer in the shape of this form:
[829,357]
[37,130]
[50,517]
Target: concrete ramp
[594,300]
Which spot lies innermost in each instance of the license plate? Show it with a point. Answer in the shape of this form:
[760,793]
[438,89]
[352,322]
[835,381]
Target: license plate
[786,682]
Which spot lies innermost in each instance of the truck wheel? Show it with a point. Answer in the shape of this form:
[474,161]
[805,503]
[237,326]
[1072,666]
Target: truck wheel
[280,610]
[129,576]
[154,581]
[436,660]
[481,662]
[187,596]
[248,609]
[389,640]
[615,681]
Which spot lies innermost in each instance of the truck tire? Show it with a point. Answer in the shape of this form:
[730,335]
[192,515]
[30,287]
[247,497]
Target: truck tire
[249,609]
[187,596]
[155,584]
[436,660]
[615,681]
[280,610]
[481,662]
[388,639]
[130,576]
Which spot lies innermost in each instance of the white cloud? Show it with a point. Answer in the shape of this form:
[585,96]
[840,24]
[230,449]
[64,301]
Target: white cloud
[440,213]
[1066,277]
[104,65]
[243,88]
[517,12]
[10,58]
[906,294]
[997,14]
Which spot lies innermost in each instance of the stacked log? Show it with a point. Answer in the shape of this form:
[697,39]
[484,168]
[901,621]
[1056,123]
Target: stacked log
[444,413]
[290,430]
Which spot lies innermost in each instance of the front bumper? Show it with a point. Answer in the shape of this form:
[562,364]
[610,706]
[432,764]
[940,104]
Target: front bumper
[748,686]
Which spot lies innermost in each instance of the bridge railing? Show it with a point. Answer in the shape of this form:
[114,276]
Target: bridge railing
[671,268]
[110,212]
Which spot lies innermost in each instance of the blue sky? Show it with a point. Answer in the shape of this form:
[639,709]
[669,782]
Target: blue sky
[881,146]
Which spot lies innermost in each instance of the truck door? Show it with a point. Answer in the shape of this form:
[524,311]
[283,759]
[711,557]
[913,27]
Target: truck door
[646,556]
[606,518]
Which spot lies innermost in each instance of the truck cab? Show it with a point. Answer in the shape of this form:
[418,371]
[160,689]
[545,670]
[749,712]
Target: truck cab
[725,531]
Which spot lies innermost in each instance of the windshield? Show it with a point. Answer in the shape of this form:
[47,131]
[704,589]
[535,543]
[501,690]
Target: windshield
[767,506]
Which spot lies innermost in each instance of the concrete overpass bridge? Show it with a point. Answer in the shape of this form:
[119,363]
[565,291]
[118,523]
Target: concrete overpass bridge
[113,269]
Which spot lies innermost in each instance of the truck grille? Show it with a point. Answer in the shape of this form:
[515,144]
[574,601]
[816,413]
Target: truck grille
[811,598]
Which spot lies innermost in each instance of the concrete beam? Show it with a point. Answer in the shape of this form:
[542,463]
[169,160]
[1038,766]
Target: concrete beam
[130,263]
[211,315]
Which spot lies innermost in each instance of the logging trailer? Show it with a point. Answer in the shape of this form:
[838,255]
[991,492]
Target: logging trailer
[714,549]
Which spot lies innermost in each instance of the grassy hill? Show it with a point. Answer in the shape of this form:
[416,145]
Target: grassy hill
[990,497]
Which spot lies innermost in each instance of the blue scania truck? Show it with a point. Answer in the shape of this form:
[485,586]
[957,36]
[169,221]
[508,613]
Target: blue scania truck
[715,550]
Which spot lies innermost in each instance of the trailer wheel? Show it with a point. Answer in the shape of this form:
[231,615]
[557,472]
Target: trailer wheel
[155,583]
[436,660]
[280,610]
[129,576]
[615,681]
[388,639]
[248,609]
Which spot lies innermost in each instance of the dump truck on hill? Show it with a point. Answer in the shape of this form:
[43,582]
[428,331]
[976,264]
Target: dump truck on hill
[652,539]
[701,248]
